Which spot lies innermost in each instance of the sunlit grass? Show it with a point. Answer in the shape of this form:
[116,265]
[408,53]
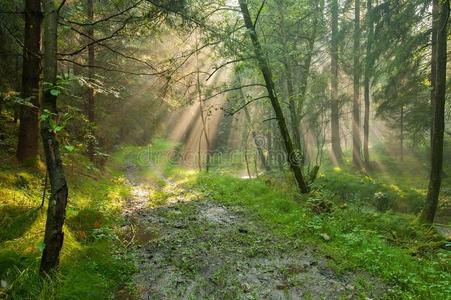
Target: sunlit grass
[93,262]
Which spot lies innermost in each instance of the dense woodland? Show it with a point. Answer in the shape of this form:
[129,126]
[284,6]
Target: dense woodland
[225,149]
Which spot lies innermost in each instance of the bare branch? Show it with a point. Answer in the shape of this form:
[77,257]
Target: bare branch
[61,6]
[234,89]
[217,68]
[108,69]
[231,113]
[93,42]
[107,18]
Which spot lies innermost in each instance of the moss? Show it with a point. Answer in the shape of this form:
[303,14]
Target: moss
[93,261]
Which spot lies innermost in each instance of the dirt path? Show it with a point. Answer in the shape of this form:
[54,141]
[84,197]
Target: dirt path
[193,248]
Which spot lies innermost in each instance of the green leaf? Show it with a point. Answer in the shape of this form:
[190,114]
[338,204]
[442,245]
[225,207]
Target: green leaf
[52,124]
[69,148]
[58,128]
[55,92]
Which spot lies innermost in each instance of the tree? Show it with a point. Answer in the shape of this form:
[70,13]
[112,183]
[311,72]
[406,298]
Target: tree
[367,81]
[292,156]
[90,107]
[288,72]
[334,106]
[56,210]
[356,132]
[440,15]
[255,136]
[27,147]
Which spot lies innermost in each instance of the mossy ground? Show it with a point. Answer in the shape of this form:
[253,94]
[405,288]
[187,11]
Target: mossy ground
[94,260]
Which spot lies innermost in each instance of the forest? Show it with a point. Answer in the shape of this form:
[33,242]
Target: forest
[225,149]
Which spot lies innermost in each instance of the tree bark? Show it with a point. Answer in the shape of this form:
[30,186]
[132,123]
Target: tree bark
[294,117]
[401,140]
[292,99]
[91,99]
[292,157]
[56,210]
[356,132]
[367,83]
[441,14]
[305,74]
[334,106]
[258,143]
[28,139]
[435,14]
[203,117]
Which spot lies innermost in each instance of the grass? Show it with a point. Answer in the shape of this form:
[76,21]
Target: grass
[94,261]
[386,245]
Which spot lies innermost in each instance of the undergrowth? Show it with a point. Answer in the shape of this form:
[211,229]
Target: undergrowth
[94,261]
[409,258]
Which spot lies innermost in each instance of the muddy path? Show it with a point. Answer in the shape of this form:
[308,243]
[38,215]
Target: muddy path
[191,247]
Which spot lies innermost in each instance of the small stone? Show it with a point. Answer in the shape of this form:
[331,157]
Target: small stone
[3,284]
[325,236]
[246,287]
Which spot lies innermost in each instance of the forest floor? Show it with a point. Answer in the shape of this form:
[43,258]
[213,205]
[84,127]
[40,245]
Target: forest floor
[191,247]
[146,228]
[218,236]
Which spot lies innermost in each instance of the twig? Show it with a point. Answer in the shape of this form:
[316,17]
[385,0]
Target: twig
[44,191]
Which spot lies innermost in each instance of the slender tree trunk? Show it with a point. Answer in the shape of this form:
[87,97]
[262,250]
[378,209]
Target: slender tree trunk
[438,112]
[255,136]
[356,132]
[90,107]
[367,80]
[292,157]
[435,20]
[335,112]
[294,118]
[246,159]
[292,99]
[269,147]
[56,210]
[28,139]
[202,117]
[402,133]
[305,74]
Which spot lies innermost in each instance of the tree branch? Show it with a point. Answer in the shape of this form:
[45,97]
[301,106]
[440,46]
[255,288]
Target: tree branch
[258,14]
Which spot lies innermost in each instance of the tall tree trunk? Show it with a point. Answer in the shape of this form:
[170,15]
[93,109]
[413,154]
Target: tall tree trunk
[356,132]
[56,211]
[293,108]
[91,100]
[27,147]
[305,74]
[292,157]
[202,117]
[334,105]
[292,99]
[257,141]
[438,111]
[367,80]
[401,140]
[435,20]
